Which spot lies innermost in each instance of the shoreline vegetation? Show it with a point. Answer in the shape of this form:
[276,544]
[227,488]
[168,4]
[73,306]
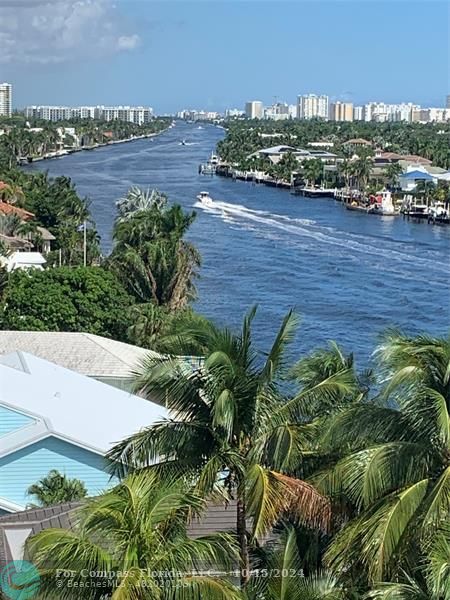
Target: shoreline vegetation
[23,141]
[66,152]
[353,162]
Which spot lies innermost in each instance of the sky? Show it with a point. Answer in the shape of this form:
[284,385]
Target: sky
[214,54]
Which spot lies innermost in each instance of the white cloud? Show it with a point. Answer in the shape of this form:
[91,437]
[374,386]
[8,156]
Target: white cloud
[53,31]
[128,42]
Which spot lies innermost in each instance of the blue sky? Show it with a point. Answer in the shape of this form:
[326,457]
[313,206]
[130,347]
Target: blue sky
[218,53]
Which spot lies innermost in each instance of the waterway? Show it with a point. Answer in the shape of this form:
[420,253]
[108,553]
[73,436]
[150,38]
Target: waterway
[349,275]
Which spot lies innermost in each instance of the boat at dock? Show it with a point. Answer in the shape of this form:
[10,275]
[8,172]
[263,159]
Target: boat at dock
[381,204]
[210,167]
[354,205]
[315,192]
[417,210]
[439,213]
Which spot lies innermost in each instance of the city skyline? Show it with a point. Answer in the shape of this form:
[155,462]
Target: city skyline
[178,54]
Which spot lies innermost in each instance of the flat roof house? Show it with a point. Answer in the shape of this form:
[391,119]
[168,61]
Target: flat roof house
[54,418]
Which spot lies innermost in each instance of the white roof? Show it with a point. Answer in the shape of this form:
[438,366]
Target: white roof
[23,260]
[79,409]
[85,353]
[27,258]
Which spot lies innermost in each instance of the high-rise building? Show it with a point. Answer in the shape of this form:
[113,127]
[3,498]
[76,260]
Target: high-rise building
[5,99]
[358,113]
[381,112]
[254,109]
[278,111]
[341,111]
[311,106]
[131,114]
[447,104]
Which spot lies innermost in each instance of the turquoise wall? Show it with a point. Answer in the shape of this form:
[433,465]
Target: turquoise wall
[10,420]
[21,469]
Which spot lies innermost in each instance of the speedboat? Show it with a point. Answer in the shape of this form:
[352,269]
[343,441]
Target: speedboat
[205,199]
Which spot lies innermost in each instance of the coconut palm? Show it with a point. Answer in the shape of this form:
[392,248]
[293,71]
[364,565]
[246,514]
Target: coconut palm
[393,171]
[312,170]
[151,257]
[55,488]
[396,473]
[137,200]
[134,540]
[433,584]
[230,426]
[279,575]
[10,224]
[361,169]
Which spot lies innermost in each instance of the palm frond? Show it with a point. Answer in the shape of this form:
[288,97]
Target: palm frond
[271,494]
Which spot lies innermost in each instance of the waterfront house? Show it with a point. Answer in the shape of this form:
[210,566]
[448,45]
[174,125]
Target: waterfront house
[92,355]
[410,179]
[54,418]
[276,153]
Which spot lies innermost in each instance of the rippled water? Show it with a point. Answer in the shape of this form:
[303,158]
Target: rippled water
[350,275]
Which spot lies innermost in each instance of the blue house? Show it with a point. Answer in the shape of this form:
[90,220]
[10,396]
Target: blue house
[54,418]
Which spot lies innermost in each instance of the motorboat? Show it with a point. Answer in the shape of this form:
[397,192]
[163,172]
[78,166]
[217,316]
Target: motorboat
[381,204]
[205,199]
[439,213]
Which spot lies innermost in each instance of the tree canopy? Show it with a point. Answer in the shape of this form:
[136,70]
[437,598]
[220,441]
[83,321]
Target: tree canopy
[66,299]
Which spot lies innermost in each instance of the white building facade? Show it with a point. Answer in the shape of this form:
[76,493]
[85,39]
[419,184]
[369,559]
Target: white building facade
[311,106]
[131,114]
[5,99]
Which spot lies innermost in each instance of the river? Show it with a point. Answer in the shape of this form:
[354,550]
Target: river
[349,275]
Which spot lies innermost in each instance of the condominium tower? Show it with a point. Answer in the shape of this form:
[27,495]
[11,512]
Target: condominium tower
[130,114]
[341,111]
[5,99]
[311,106]
[254,109]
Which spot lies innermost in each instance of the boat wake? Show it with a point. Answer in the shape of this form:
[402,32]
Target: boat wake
[388,255]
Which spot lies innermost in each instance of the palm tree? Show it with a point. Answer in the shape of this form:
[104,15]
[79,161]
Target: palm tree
[151,257]
[312,170]
[137,200]
[345,170]
[433,584]
[393,171]
[10,224]
[395,475]
[279,575]
[361,169]
[132,542]
[231,427]
[55,488]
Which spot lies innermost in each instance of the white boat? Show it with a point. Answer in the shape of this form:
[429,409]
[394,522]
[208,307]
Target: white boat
[439,213]
[209,168]
[205,199]
[383,204]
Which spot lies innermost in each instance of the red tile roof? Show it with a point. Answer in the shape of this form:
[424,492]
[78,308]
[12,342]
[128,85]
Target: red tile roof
[7,209]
